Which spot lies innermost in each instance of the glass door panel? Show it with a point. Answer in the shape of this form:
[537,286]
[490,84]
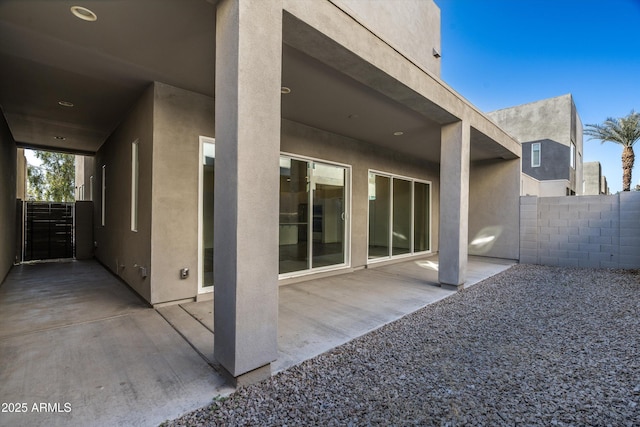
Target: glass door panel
[401,216]
[421,217]
[294,215]
[379,210]
[208,181]
[328,215]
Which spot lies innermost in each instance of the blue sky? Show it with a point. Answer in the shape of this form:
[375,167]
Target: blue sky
[502,53]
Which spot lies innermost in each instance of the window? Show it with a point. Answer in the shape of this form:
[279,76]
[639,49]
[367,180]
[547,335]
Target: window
[535,155]
[399,216]
[104,195]
[572,156]
[134,186]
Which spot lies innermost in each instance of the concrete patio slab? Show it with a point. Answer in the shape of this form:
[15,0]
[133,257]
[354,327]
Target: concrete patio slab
[72,336]
[192,330]
[44,296]
[129,367]
[202,311]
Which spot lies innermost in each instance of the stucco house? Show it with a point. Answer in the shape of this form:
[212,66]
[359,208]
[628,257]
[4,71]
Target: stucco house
[550,131]
[242,145]
[594,182]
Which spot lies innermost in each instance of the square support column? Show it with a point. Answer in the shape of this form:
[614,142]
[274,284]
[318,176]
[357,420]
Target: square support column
[247,117]
[454,204]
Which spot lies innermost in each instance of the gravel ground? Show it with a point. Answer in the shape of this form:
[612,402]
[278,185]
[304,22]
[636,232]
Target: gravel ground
[533,345]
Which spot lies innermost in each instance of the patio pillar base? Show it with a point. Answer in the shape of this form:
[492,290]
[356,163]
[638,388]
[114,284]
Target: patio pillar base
[449,287]
[252,377]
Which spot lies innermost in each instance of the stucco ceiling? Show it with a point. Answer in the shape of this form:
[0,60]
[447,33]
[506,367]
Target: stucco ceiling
[47,55]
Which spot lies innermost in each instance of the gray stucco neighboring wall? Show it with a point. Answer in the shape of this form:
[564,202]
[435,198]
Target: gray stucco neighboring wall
[306,141]
[121,250]
[85,169]
[544,119]
[592,178]
[554,160]
[554,122]
[8,173]
[179,118]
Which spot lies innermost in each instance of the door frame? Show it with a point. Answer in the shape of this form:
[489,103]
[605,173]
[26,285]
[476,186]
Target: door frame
[347,220]
[201,141]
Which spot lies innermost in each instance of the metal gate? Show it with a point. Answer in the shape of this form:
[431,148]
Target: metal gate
[48,231]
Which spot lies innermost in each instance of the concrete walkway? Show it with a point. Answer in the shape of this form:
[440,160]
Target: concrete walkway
[74,337]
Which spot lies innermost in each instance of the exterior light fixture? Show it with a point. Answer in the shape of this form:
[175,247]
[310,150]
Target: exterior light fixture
[285,90]
[65,103]
[84,13]
[436,54]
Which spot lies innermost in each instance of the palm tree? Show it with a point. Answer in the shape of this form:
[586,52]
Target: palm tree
[624,131]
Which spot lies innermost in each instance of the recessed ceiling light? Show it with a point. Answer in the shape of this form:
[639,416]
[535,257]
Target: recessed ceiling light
[398,133]
[353,116]
[65,103]
[84,13]
[285,90]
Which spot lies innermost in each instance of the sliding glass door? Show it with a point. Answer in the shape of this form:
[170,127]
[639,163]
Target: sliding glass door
[313,209]
[399,216]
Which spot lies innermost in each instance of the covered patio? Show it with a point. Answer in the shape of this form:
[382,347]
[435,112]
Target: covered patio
[71,332]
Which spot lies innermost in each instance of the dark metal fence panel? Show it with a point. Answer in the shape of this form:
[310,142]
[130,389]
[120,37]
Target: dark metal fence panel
[48,231]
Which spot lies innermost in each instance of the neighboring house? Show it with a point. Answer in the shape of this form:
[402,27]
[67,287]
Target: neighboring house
[594,182]
[332,141]
[550,132]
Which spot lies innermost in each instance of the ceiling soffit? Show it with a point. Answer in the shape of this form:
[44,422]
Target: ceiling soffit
[102,67]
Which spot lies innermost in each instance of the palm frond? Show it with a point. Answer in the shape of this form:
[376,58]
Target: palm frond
[624,131]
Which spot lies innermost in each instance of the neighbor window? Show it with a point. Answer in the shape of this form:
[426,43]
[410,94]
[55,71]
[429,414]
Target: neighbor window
[535,154]
[573,156]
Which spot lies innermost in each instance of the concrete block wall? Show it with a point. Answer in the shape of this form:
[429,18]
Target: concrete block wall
[585,231]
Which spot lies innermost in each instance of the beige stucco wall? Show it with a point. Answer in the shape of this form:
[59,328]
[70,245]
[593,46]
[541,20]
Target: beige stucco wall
[166,122]
[410,26]
[306,141]
[494,215]
[529,186]
[179,118]
[121,250]
[554,188]
[8,175]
